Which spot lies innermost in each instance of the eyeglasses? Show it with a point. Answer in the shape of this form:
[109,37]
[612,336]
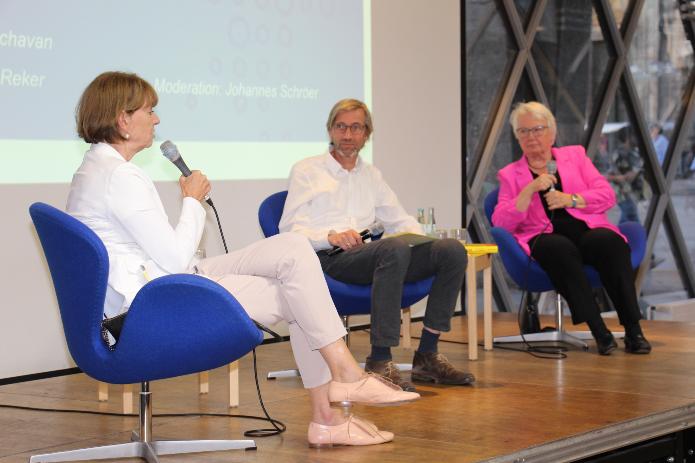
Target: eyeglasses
[356,128]
[535,131]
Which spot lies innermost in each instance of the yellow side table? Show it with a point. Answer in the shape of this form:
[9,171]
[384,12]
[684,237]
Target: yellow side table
[479,258]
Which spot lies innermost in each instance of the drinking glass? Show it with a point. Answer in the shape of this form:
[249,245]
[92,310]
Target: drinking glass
[458,234]
[441,234]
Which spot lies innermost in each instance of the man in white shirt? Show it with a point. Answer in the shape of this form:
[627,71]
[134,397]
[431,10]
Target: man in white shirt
[333,195]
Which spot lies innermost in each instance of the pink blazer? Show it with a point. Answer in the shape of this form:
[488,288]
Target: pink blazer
[578,176]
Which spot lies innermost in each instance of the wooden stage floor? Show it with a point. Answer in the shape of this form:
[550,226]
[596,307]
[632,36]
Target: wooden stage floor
[520,407]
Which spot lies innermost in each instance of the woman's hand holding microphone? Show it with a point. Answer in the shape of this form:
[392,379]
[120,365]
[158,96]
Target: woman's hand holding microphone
[195,185]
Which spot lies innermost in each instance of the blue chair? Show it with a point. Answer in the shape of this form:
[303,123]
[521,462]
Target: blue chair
[532,277]
[176,325]
[349,299]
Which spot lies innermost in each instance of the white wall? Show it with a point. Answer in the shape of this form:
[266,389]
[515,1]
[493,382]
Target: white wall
[416,103]
[416,109]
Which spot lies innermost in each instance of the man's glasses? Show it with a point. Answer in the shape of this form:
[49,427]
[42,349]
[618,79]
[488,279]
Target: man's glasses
[356,128]
[535,131]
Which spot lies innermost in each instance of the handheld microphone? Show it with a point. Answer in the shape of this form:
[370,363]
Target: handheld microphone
[551,167]
[374,229]
[171,152]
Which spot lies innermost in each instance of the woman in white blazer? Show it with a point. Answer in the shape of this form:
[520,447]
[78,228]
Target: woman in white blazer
[275,279]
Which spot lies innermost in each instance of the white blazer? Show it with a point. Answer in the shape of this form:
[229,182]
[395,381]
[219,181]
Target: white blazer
[117,200]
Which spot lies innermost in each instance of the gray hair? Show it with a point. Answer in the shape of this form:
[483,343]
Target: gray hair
[535,109]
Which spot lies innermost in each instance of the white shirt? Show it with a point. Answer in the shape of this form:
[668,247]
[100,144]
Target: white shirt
[119,202]
[324,197]
[660,146]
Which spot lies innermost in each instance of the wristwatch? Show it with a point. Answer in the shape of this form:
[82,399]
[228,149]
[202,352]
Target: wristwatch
[574,201]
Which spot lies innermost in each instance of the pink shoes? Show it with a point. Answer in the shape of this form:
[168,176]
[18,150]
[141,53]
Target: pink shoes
[370,390]
[354,431]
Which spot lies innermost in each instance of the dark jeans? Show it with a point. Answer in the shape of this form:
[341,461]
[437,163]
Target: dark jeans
[563,258]
[386,264]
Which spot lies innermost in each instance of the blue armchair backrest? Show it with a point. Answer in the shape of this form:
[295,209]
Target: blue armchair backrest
[270,213]
[491,202]
[79,268]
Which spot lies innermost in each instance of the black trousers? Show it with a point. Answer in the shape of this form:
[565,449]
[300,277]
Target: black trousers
[386,264]
[562,256]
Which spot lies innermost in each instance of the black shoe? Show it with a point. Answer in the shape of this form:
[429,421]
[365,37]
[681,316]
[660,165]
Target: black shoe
[637,344]
[606,344]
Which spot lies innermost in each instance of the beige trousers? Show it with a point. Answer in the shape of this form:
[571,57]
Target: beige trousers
[280,278]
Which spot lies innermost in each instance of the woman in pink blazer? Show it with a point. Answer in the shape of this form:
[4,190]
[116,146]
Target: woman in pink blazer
[554,202]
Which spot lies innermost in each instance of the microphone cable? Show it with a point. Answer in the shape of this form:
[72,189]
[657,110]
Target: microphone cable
[219,225]
[278,426]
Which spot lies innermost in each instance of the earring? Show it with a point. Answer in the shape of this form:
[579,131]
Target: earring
[127,136]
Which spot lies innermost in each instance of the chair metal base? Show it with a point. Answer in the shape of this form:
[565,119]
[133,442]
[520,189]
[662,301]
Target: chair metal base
[283,374]
[143,446]
[575,338]
[148,451]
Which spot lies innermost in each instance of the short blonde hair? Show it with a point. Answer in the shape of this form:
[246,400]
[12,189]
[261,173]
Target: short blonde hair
[350,104]
[105,98]
[535,109]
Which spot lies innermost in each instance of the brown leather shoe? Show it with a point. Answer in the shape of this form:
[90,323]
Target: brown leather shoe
[388,370]
[433,367]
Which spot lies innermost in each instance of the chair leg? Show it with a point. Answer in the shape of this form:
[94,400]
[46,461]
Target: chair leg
[127,405]
[143,446]
[127,399]
[346,324]
[194,446]
[203,382]
[129,450]
[233,373]
[405,328]
[103,392]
